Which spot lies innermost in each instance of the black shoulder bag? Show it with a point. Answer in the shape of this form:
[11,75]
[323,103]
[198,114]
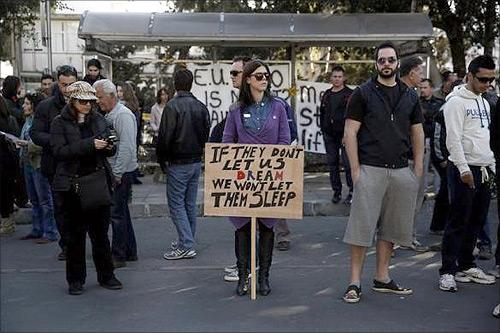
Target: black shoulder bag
[93,189]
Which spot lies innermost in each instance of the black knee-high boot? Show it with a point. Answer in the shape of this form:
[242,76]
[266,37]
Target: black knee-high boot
[242,247]
[266,244]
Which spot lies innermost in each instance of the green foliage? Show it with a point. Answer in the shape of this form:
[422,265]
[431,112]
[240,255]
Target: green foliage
[18,17]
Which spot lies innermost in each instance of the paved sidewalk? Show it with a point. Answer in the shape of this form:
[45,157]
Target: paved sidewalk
[190,295]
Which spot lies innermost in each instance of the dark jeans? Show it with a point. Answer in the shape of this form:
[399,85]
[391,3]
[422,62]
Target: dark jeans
[468,211]
[124,245]
[7,185]
[497,252]
[442,202]
[77,223]
[40,195]
[59,213]
[334,147]
[483,238]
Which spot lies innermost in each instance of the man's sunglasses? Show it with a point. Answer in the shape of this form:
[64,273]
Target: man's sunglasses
[485,79]
[390,60]
[260,76]
[234,73]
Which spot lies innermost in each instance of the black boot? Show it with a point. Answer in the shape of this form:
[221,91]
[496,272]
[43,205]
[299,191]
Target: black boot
[241,248]
[266,244]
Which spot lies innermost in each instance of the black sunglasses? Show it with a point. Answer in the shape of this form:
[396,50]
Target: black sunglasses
[485,79]
[260,76]
[84,101]
[390,60]
[234,73]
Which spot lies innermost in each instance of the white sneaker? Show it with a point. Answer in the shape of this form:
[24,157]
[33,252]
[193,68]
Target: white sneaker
[496,311]
[232,276]
[476,274]
[462,277]
[230,269]
[447,283]
[495,271]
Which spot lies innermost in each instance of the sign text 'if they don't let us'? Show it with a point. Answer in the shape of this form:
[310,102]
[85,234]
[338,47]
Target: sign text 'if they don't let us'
[254,180]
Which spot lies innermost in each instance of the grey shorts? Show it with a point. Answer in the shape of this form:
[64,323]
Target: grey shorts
[383,202]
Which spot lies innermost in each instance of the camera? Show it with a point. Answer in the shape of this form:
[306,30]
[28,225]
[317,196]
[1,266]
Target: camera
[111,139]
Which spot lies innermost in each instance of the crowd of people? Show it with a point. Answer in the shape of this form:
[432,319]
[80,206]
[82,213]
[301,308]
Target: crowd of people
[80,137]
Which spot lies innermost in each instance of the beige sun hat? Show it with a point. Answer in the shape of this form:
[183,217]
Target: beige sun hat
[81,90]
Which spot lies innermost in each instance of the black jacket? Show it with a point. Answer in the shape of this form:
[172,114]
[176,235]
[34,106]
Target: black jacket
[68,147]
[332,116]
[46,111]
[184,130]
[494,133]
[430,108]
[439,151]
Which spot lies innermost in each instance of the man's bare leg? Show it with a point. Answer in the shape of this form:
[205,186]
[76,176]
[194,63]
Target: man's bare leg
[384,251]
[357,261]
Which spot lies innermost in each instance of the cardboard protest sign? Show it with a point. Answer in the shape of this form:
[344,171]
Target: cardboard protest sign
[254,180]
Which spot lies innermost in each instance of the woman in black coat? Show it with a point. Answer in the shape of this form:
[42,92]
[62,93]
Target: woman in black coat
[78,142]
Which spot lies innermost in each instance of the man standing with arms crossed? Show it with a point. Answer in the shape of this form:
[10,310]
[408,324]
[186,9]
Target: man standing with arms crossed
[332,113]
[383,116]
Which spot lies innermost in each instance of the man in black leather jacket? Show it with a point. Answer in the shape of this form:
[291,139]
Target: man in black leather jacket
[46,111]
[184,130]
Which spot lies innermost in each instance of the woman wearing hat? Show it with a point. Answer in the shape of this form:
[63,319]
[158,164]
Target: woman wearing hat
[78,141]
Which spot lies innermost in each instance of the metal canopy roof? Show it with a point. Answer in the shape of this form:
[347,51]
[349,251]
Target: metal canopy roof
[249,29]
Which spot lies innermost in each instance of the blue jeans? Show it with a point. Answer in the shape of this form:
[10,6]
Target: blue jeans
[124,245]
[40,195]
[182,189]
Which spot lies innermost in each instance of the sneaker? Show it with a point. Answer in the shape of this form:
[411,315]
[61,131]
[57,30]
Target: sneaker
[75,288]
[390,287]
[62,256]
[179,254]
[496,311]
[477,275]
[283,246]
[229,269]
[174,245]
[447,283]
[336,197]
[30,236]
[112,284]
[495,271]
[119,263]
[485,252]
[348,199]
[45,240]
[462,278]
[416,246]
[232,276]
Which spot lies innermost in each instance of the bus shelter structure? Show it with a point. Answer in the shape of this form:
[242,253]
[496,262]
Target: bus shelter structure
[411,31]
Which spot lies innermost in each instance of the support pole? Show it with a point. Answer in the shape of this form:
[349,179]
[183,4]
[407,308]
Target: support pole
[253,280]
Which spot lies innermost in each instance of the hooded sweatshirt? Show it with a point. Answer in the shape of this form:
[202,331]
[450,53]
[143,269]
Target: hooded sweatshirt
[467,118]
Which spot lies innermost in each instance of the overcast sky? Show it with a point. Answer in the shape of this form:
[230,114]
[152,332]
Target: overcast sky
[115,6]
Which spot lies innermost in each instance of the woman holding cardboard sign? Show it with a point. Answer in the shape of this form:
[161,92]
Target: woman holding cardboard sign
[258,119]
